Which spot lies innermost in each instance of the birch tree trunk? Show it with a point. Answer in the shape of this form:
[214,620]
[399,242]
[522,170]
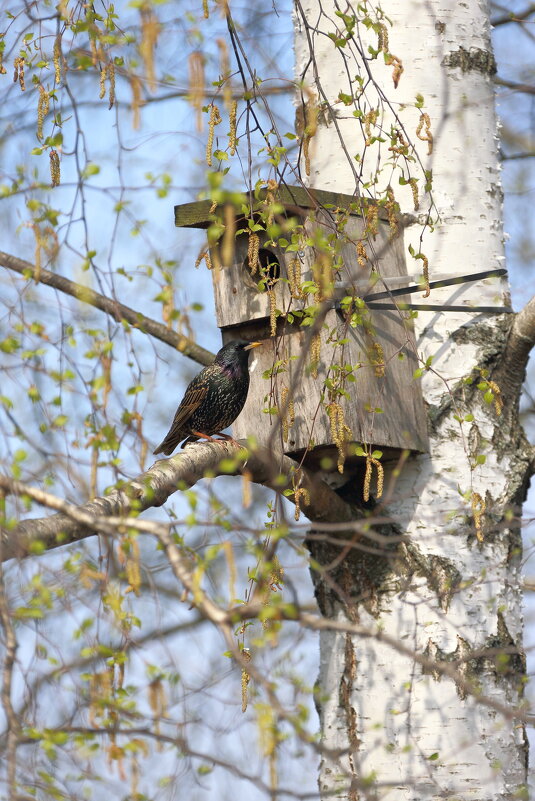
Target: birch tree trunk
[408,733]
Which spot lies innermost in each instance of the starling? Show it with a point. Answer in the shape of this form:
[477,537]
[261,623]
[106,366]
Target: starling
[214,398]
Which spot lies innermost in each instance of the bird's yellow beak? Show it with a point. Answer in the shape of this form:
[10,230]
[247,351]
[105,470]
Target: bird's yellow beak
[253,345]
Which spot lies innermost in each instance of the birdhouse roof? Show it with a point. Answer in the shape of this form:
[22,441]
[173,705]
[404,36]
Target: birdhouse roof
[295,199]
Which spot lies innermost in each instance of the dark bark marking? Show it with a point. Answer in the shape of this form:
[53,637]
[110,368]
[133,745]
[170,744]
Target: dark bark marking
[475,59]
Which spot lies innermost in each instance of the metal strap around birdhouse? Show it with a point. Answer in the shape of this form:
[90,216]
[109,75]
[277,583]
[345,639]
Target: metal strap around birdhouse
[438,308]
[371,298]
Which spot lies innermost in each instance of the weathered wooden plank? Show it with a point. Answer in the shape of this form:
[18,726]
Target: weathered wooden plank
[237,298]
[384,410]
[385,407]
[400,424]
[197,213]
[193,215]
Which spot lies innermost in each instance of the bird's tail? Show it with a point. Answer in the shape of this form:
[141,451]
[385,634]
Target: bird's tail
[171,441]
[167,446]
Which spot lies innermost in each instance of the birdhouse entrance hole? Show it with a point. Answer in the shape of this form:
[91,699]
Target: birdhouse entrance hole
[268,266]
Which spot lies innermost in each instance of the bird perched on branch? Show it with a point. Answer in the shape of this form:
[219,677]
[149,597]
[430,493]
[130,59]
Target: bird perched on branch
[214,398]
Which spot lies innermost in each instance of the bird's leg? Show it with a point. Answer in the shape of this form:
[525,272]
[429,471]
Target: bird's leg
[203,436]
[207,438]
[195,436]
[227,438]
[222,438]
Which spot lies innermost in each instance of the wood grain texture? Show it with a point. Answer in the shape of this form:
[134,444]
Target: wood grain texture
[197,213]
[400,424]
[384,411]
[401,421]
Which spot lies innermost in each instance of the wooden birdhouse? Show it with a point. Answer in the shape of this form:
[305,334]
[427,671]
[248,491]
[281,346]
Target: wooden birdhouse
[317,383]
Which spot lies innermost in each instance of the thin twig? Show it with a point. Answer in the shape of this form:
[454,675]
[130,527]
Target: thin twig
[513,16]
[525,88]
[115,309]
[7,680]
[153,488]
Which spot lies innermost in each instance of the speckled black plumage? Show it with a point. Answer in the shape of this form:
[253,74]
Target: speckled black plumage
[214,398]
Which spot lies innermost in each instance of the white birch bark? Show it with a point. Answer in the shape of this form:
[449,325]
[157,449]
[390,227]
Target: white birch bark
[410,735]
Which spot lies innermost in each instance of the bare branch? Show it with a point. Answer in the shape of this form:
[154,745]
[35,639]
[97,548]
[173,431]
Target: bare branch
[525,88]
[223,618]
[514,139]
[112,307]
[154,487]
[512,369]
[449,669]
[517,156]
[513,16]
[13,725]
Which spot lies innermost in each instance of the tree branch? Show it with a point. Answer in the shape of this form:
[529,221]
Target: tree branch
[154,487]
[513,16]
[525,88]
[517,156]
[512,369]
[13,724]
[225,617]
[112,307]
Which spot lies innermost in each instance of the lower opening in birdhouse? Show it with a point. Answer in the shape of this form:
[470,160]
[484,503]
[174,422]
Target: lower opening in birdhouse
[268,263]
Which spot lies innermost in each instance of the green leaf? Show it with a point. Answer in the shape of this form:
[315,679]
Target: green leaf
[57,737]
[90,169]
[24,612]
[228,465]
